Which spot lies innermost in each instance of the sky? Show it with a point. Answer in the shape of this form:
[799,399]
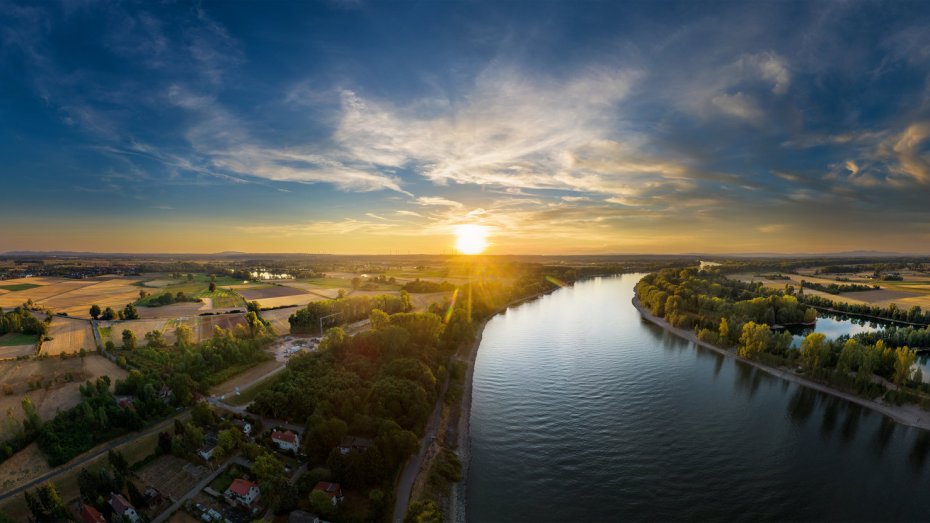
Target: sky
[379,127]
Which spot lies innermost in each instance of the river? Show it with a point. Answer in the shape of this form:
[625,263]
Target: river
[582,411]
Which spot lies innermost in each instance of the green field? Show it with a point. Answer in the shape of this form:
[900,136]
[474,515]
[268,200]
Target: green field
[16,338]
[329,283]
[199,287]
[19,287]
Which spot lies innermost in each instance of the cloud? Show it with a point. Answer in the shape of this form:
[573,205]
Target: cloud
[438,201]
[910,150]
[771,228]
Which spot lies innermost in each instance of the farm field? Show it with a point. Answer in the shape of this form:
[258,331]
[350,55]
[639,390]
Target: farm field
[18,287]
[271,291]
[14,345]
[56,382]
[913,290]
[175,310]
[44,288]
[69,335]
[278,319]
[299,299]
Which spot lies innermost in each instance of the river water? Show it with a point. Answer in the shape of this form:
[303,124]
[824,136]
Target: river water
[583,411]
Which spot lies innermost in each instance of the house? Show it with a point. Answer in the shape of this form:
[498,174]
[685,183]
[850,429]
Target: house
[123,508]
[332,491]
[207,450]
[125,402]
[243,492]
[165,394]
[90,515]
[299,516]
[350,443]
[244,426]
[286,440]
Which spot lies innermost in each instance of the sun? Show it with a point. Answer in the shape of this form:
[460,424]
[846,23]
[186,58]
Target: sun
[471,239]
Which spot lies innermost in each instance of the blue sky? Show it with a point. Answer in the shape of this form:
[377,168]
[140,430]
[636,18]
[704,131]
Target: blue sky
[380,126]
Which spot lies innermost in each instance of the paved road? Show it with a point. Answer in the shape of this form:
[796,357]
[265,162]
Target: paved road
[414,464]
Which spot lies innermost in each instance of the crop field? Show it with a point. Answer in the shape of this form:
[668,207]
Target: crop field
[13,345]
[913,290]
[44,289]
[299,299]
[51,383]
[18,287]
[272,291]
[175,310]
[69,335]
[73,297]
[278,319]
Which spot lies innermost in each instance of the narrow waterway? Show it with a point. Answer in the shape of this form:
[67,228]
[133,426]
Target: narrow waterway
[582,411]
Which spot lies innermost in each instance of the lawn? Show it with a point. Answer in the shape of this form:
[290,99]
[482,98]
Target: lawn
[222,298]
[19,287]
[17,338]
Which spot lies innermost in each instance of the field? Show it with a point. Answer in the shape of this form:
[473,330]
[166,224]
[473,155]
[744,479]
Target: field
[51,383]
[272,291]
[72,297]
[172,476]
[913,290]
[18,287]
[278,319]
[18,338]
[14,345]
[69,335]
[201,325]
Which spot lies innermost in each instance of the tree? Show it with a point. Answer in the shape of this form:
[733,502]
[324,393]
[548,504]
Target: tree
[109,314]
[155,339]
[46,505]
[814,351]
[755,338]
[130,312]
[724,329]
[95,311]
[228,440]
[379,319]
[184,335]
[129,339]
[321,503]
[190,277]
[212,286]
[904,359]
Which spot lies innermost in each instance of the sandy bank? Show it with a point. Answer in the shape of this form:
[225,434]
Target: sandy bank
[910,415]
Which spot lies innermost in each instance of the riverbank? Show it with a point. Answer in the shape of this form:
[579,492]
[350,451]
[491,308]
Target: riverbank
[909,415]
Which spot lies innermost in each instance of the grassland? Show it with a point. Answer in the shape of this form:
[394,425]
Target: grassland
[19,287]
[17,338]
[198,287]
[246,396]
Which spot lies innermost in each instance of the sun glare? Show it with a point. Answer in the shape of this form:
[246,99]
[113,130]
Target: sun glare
[471,239]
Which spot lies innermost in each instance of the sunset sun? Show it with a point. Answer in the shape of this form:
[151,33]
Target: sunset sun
[471,239]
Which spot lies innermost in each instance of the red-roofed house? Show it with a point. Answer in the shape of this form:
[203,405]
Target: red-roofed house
[244,492]
[285,440]
[90,515]
[332,491]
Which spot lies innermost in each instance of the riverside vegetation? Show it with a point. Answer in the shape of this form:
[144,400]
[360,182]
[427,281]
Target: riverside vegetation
[729,314]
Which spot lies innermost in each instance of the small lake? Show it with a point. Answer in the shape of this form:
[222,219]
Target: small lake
[583,411]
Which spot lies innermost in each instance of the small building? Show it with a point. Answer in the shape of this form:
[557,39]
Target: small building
[207,450]
[125,402]
[124,508]
[244,426]
[285,440]
[300,516]
[332,491]
[165,394]
[350,443]
[243,492]
[91,515]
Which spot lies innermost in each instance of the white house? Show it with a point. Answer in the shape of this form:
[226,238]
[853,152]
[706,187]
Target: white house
[123,508]
[244,492]
[286,440]
[244,426]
